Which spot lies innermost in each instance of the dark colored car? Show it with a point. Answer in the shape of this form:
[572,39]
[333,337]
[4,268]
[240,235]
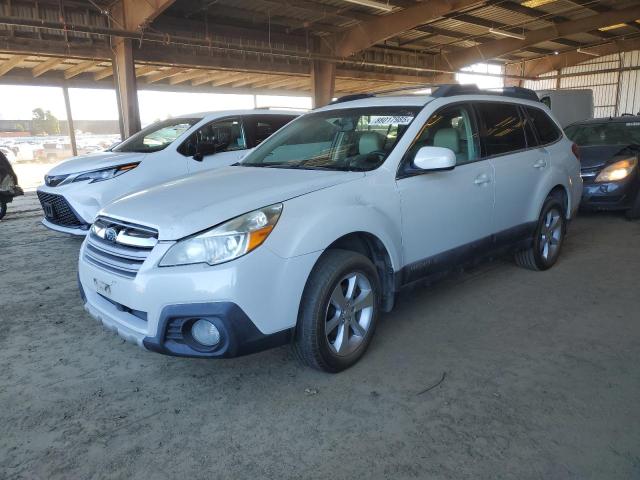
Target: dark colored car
[609,155]
[8,184]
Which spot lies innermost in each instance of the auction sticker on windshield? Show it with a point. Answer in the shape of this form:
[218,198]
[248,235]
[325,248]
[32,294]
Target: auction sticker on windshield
[390,120]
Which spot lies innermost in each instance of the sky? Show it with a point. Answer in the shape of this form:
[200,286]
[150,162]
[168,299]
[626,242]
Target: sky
[17,102]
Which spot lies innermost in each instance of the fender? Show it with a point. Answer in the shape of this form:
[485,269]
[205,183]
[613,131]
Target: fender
[553,177]
[346,209]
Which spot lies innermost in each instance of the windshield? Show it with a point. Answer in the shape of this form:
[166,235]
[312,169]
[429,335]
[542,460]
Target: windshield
[357,139]
[157,136]
[614,133]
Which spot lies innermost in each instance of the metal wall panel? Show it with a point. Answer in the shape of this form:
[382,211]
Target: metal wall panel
[614,79]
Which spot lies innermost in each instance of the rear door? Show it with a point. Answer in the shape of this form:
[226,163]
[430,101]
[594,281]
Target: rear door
[517,160]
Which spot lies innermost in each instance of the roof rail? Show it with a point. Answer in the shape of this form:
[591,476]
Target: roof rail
[519,92]
[349,98]
[451,90]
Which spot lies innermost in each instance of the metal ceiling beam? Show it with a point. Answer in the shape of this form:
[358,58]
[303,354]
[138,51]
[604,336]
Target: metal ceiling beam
[367,34]
[537,67]
[497,48]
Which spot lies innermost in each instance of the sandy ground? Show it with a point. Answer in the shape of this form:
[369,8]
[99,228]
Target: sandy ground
[542,380]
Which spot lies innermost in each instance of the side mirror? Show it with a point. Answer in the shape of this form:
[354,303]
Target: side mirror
[203,150]
[435,159]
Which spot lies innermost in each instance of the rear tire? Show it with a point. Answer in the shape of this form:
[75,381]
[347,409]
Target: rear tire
[548,238]
[338,311]
[3,209]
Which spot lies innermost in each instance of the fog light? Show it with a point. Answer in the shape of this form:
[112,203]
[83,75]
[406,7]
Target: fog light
[205,332]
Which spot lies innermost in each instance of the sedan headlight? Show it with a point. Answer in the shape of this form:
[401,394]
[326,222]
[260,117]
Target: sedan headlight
[617,171]
[226,242]
[105,173]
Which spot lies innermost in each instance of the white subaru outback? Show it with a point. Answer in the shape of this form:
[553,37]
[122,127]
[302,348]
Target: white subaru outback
[309,237]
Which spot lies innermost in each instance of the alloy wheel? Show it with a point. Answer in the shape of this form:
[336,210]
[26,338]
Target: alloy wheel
[349,313]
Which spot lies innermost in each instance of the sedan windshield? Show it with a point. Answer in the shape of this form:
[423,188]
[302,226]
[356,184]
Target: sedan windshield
[613,133]
[357,139]
[157,136]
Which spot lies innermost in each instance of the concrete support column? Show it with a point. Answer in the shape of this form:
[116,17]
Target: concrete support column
[323,82]
[124,73]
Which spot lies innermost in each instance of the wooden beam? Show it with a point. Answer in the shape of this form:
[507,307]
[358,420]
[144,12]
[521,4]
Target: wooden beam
[45,66]
[145,70]
[137,14]
[10,64]
[539,66]
[225,79]
[124,72]
[104,73]
[162,74]
[188,75]
[367,34]
[497,48]
[79,68]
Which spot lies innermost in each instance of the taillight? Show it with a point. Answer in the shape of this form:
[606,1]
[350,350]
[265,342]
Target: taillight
[576,150]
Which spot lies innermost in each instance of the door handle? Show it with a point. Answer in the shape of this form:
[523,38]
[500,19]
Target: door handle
[540,163]
[482,179]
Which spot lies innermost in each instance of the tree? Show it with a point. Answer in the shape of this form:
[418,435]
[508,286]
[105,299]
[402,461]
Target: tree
[44,123]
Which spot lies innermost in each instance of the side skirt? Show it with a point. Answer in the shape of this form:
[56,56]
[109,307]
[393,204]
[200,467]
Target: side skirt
[437,267]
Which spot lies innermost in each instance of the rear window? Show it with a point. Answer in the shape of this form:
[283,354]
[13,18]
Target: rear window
[548,131]
[502,128]
[613,133]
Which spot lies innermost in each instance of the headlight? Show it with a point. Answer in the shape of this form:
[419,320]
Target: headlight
[226,242]
[617,171]
[105,173]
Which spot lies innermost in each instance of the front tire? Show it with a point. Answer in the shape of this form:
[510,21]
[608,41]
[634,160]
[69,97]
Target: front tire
[548,238]
[338,311]
[634,212]
[3,209]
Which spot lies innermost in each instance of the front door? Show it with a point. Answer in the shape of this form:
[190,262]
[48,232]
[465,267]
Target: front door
[447,215]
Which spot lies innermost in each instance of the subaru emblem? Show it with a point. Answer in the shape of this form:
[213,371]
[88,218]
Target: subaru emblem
[111,234]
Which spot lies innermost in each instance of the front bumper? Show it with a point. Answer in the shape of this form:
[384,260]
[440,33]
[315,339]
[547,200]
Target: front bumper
[253,301]
[611,195]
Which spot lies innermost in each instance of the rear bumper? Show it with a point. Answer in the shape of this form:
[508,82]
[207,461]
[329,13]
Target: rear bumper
[610,196]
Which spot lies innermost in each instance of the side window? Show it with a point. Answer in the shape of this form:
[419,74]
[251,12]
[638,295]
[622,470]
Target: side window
[546,101]
[215,137]
[263,126]
[502,128]
[529,131]
[548,131]
[452,127]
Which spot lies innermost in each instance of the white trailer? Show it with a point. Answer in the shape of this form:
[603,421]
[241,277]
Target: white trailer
[568,106]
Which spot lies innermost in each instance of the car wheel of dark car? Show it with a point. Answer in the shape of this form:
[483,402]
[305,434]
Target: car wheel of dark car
[3,209]
[548,238]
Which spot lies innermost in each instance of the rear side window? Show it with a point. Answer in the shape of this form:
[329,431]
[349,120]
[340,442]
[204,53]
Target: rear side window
[263,126]
[548,132]
[502,128]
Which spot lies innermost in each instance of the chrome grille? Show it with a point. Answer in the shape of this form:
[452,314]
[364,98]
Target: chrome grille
[119,247]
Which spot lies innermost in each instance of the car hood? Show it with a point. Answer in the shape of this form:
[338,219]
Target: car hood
[594,156]
[194,203]
[95,161]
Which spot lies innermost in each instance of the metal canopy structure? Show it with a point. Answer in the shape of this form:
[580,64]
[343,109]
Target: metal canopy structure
[320,48]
